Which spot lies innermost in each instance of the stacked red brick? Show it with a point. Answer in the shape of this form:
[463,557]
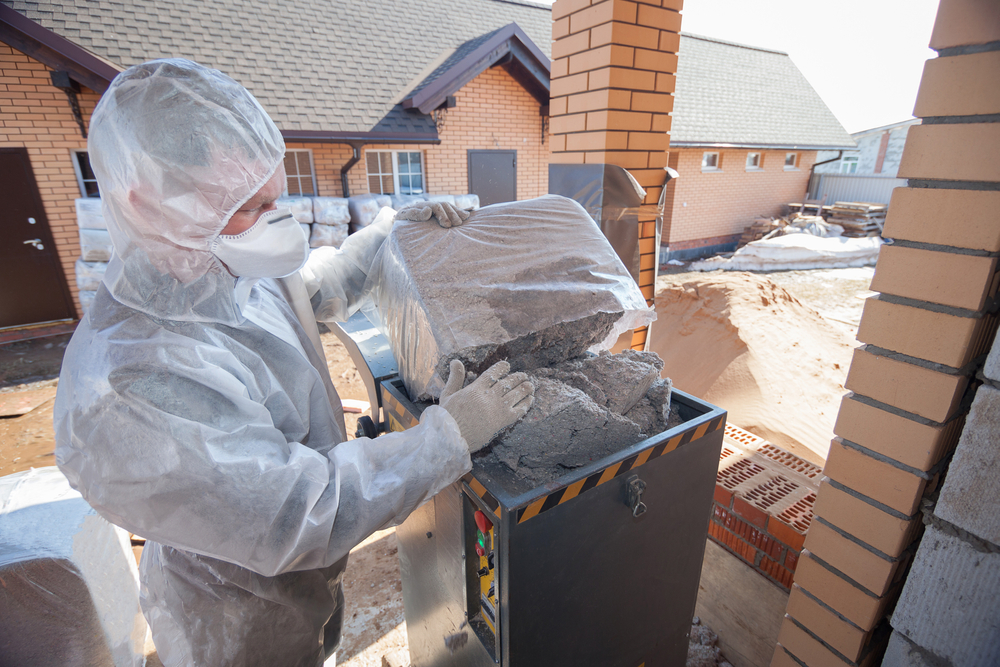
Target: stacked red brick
[925,336]
[613,66]
[763,504]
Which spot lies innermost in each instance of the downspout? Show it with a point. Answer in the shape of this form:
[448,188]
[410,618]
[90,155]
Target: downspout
[812,170]
[356,148]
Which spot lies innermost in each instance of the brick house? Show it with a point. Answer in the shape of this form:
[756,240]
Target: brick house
[746,129]
[461,106]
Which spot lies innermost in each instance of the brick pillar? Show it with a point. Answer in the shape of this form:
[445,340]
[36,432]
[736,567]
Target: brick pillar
[924,337]
[613,67]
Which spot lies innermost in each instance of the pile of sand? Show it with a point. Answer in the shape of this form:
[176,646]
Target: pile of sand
[745,344]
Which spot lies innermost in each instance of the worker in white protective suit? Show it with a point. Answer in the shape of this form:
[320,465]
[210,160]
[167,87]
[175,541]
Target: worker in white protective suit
[195,407]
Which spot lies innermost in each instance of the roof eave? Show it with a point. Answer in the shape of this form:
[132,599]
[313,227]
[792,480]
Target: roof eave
[55,51]
[320,136]
[510,47]
[790,146]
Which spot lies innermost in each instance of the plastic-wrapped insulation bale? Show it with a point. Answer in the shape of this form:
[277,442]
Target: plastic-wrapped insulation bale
[70,593]
[331,211]
[89,274]
[87,299]
[364,208]
[445,198]
[301,208]
[327,235]
[90,214]
[399,201]
[95,245]
[534,282]
[467,202]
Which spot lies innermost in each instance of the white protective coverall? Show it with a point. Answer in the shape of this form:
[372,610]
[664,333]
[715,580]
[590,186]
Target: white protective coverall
[195,409]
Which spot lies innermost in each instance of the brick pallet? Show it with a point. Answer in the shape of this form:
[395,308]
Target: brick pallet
[858,219]
[760,228]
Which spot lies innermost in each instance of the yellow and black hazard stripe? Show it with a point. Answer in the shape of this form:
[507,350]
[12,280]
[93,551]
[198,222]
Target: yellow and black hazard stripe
[399,418]
[476,487]
[567,493]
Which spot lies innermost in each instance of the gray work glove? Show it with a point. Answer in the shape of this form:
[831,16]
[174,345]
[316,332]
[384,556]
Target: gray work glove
[447,215]
[491,403]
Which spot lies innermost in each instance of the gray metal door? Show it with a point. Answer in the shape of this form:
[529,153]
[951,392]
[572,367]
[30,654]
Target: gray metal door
[493,176]
[32,286]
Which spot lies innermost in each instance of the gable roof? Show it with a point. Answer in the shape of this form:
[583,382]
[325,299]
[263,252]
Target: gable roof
[323,70]
[736,95]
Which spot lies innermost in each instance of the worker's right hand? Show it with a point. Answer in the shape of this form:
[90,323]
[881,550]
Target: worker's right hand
[497,399]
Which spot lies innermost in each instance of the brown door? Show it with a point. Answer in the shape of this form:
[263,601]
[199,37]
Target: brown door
[32,285]
[493,176]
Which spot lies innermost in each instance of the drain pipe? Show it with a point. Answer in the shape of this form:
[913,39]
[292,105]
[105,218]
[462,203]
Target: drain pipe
[812,170]
[356,148]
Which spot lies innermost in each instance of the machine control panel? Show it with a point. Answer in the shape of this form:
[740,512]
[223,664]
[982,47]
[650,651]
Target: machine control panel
[482,582]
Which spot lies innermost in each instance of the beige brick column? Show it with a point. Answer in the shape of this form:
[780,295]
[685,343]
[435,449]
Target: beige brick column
[613,67]
[924,339]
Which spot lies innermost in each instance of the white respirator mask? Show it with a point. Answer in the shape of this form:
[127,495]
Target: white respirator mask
[274,247]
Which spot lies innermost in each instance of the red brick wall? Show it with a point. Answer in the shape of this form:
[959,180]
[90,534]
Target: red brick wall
[36,115]
[715,205]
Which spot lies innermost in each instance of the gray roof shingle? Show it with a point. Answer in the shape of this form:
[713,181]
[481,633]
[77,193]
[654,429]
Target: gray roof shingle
[315,65]
[746,96]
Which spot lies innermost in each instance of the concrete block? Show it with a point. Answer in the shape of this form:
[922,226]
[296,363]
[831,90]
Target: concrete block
[886,532]
[952,151]
[922,391]
[917,332]
[900,438]
[848,599]
[973,481]
[958,218]
[991,368]
[872,571]
[901,652]
[899,489]
[950,279]
[70,585]
[847,638]
[951,602]
[962,22]
[962,85]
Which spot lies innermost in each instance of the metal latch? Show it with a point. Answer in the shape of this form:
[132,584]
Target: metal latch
[635,487]
[37,243]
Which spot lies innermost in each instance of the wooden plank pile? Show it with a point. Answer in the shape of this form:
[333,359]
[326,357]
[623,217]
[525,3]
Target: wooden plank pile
[857,218]
[760,228]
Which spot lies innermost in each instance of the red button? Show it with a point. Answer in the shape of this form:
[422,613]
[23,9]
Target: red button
[480,551]
[483,523]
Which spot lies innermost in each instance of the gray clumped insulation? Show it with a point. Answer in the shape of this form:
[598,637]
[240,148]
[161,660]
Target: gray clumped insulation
[585,409]
[534,282]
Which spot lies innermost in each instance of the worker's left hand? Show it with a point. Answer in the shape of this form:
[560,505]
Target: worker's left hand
[447,215]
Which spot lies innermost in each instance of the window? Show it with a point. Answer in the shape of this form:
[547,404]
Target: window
[395,172]
[849,165]
[710,162]
[299,170]
[791,160]
[85,175]
[754,162]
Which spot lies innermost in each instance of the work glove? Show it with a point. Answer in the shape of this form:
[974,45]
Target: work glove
[447,215]
[491,403]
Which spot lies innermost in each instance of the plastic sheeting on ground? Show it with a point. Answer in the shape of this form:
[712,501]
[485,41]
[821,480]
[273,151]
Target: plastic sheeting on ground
[70,593]
[797,251]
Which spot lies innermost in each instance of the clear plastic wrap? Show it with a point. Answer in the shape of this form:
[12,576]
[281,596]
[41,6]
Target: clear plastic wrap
[468,202]
[327,235]
[89,274]
[331,211]
[301,208]
[70,593]
[95,245]
[364,208]
[90,213]
[533,282]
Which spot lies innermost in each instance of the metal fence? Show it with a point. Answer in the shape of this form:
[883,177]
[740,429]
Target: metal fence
[859,188]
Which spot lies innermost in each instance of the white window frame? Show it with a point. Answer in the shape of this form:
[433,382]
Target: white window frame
[80,180]
[718,161]
[298,177]
[759,163]
[794,166]
[849,164]
[395,170]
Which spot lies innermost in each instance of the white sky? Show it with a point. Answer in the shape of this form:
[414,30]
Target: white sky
[864,57]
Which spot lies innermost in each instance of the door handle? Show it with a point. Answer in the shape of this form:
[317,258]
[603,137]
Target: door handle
[35,242]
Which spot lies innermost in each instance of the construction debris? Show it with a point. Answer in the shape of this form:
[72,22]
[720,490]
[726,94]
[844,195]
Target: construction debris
[796,223]
[859,219]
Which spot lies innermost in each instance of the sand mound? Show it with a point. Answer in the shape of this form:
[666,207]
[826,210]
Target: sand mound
[745,344]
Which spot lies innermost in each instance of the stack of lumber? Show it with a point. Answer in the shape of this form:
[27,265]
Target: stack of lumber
[760,228]
[858,218]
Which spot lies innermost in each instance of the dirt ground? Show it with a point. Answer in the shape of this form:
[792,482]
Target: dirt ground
[374,623]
